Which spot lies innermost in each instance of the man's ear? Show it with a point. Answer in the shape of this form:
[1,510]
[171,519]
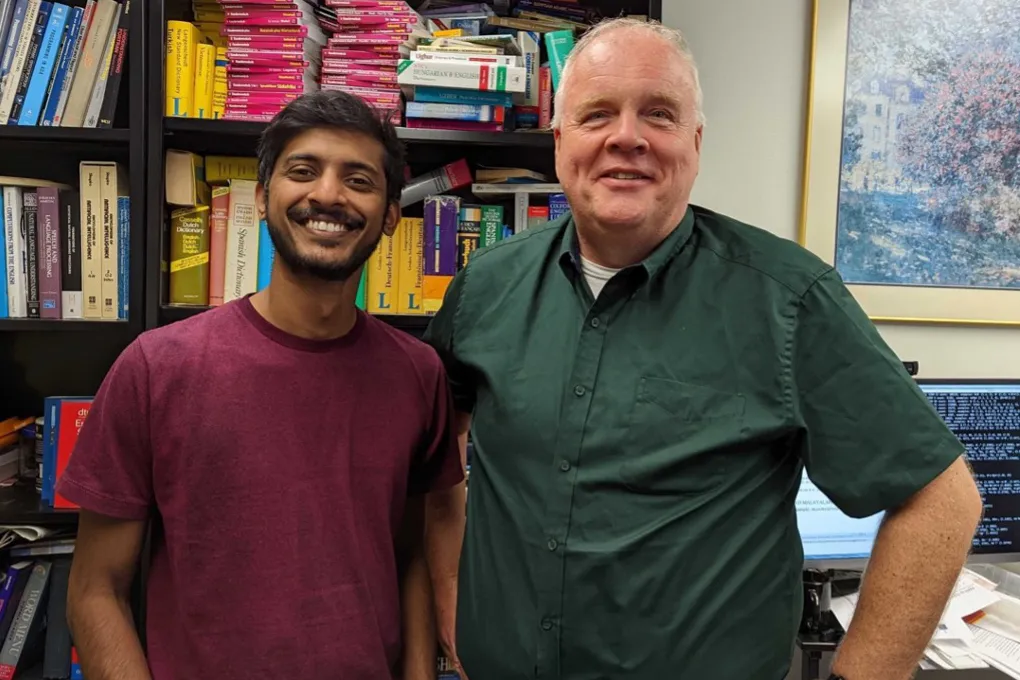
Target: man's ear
[391,219]
[260,200]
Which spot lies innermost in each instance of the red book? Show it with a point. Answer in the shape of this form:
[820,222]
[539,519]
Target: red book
[71,417]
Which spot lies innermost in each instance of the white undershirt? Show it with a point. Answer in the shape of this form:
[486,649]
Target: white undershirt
[596,275]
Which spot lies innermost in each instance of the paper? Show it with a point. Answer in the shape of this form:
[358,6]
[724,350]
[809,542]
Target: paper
[1000,651]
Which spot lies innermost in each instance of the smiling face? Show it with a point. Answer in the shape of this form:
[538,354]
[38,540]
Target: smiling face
[325,205]
[629,140]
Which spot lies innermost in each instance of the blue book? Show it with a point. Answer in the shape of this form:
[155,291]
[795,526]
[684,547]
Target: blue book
[4,312]
[30,61]
[123,254]
[49,49]
[266,252]
[63,65]
[17,21]
[449,95]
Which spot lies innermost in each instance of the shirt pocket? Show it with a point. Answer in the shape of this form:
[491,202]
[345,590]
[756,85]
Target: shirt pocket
[680,437]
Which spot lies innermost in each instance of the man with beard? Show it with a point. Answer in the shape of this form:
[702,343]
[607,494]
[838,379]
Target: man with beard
[282,446]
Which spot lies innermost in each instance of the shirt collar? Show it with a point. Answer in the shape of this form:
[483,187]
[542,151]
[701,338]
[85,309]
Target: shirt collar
[570,254]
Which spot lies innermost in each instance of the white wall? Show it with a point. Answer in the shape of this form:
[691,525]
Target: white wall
[754,58]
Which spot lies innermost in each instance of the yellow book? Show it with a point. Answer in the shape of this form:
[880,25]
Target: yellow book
[220,82]
[182,39]
[221,169]
[381,285]
[205,61]
[91,225]
[410,265]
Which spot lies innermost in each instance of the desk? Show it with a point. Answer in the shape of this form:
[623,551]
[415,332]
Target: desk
[812,648]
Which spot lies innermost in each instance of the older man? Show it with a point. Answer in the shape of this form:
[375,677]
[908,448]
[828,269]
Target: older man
[646,382]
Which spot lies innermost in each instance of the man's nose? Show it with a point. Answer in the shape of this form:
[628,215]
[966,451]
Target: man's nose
[627,134]
[328,189]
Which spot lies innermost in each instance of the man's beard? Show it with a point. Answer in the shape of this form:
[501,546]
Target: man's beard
[336,270]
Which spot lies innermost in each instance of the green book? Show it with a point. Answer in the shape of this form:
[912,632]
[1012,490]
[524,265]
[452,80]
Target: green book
[558,45]
[360,301]
[491,225]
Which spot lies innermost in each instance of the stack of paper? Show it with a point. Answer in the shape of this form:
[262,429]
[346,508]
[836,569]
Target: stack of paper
[979,628]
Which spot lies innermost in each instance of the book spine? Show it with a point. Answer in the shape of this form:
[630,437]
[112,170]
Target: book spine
[411,265]
[17,279]
[189,256]
[120,41]
[266,255]
[70,254]
[91,258]
[49,253]
[181,51]
[25,619]
[67,47]
[24,68]
[95,96]
[241,270]
[482,113]
[461,75]
[382,277]
[123,254]
[205,63]
[491,225]
[72,67]
[447,95]
[13,40]
[4,306]
[441,215]
[108,254]
[558,45]
[41,75]
[545,97]
[218,220]
[30,220]
[92,59]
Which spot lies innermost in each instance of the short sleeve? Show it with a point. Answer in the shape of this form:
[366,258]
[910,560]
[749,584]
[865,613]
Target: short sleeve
[871,437]
[110,468]
[441,335]
[438,465]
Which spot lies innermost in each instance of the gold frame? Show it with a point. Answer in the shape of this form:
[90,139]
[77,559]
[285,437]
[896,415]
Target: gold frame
[820,195]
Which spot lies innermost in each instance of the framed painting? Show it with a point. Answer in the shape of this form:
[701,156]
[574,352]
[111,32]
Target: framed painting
[912,168]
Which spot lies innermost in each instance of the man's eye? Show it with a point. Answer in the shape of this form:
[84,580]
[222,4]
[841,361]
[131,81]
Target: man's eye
[663,114]
[301,172]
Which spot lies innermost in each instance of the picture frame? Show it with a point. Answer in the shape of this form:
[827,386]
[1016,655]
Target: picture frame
[915,229]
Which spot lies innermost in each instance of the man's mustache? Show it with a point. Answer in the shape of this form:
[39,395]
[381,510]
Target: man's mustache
[300,214]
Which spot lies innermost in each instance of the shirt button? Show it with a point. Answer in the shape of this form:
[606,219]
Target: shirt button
[579,390]
[595,322]
[546,624]
[565,465]
[552,544]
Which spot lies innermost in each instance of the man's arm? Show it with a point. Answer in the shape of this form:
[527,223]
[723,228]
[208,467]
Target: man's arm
[419,631]
[918,555]
[99,598]
[444,534]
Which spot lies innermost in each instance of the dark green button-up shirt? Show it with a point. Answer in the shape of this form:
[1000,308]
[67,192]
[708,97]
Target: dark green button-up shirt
[637,456]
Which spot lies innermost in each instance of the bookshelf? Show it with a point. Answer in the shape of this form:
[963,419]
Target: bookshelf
[40,357]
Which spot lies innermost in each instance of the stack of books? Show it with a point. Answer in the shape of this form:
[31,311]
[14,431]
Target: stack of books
[369,38]
[274,52]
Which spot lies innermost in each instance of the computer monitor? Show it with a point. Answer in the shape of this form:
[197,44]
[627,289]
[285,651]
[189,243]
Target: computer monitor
[832,540]
[985,416]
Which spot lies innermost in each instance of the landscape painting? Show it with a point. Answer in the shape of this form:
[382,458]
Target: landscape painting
[912,172]
[930,170]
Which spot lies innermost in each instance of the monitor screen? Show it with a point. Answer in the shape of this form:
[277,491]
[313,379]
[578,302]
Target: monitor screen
[828,535]
[985,417]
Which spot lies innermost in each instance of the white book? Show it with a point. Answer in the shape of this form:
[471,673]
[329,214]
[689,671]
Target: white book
[99,88]
[17,255]
[240,274]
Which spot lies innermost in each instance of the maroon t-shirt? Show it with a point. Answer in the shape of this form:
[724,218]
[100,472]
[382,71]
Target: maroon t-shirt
[279,468]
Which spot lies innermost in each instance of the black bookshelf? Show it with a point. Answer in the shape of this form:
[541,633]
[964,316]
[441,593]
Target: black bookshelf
[40,357]
[405,322]
[20,504]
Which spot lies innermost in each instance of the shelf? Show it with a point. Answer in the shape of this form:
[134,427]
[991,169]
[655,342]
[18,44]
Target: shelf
[411,324]
[57,325]
[20,504]
[65,135]
[246,129]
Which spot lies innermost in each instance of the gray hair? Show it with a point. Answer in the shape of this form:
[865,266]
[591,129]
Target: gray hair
[671,35]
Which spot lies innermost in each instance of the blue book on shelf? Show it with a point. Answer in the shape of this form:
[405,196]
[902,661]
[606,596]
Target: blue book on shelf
[49,50]
[4,312]
[31,60]
[123,254]
[63,65]
[13,35]
[266,251]
[449,95]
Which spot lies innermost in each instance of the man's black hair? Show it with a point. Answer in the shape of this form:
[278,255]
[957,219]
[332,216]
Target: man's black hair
[338,110]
